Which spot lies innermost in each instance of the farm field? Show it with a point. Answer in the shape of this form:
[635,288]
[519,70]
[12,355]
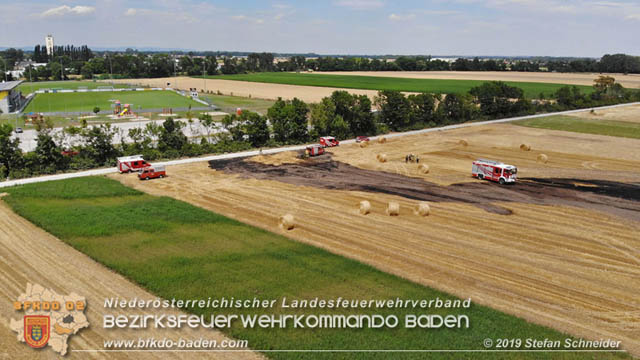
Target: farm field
[72,102]
[229,104]
[246,89]
[29,253]
[559,249]
[627,113]
[186,252]
[627,80]
[531,89]
[585,125]
[28,87]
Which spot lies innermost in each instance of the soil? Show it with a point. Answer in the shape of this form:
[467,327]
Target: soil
[607,196]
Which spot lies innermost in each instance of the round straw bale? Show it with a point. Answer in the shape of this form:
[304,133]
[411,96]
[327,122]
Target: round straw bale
[525,147]
[463,142]
[364,144]
[422,209]
[393,209]
[286,222]
[543,158]
[382,158]
[382,140]
[365,207]
[423,169]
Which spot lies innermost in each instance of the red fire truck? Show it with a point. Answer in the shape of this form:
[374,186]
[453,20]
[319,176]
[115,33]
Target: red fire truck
[494,171]
[315,150]
[131,163]
[329,141]
[152,172]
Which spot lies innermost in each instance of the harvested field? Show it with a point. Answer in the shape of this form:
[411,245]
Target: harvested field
[559,249]
[629,80]
[29,254]
[571,155]
[247,89]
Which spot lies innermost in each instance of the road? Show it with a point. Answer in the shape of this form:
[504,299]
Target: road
[104,171]
[28,139]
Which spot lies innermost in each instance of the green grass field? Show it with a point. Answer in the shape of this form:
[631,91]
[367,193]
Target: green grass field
[174,249]
[586,126]
[229,104]
[531,90]
[28,87]
[67,102]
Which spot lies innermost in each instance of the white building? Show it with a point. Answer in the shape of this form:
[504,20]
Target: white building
[49,43]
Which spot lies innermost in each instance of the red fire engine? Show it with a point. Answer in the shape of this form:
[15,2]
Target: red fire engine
[315,150]
[494,171]
[329,141]
[152,172]
[131,163]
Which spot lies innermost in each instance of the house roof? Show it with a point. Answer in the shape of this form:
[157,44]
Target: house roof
[9,85]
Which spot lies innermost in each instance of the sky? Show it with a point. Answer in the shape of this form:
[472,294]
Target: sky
[588,28]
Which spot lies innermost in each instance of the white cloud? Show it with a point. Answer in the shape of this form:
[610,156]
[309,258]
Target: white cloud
[247,18]
[360,4]
[131,12]
[397,17]
[633,17]
[68,10]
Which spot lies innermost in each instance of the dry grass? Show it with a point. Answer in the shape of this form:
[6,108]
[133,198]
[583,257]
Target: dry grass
[627,113]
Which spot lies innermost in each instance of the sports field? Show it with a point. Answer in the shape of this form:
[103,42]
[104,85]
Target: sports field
[28,87]
[586,126]
[531,89]
[67,102]
[183,251]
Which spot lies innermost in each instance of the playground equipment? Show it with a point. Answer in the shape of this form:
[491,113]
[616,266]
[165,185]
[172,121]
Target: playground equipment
[120,110]
[126,110]
[168,111]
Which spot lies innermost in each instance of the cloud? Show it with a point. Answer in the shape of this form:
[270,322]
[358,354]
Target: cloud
[68,10]
[360,4]
[247,18]
[440,12]
[635,17]
[407,17]
[131,12]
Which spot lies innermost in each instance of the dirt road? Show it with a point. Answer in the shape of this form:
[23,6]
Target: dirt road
[629,80]
[29,254]
[576,269]
[312,94]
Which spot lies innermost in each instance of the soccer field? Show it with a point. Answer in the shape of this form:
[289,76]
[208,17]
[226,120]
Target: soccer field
[445,86]
[29,87]
[68,102]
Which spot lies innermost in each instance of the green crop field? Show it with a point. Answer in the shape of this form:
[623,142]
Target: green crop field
[67,102]
[585,126]
[531,90]
[28,87]
[177,250]
[229,104]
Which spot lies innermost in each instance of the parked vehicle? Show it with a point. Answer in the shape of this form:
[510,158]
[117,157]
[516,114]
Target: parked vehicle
[69,153]
[314,150]
[494,171]
[19,130]
[131,163]
[329,141]
[360,139]
[152,172]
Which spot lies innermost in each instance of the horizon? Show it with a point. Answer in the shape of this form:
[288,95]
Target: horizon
[518,28]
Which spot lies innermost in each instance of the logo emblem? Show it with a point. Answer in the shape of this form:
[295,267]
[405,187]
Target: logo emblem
[36,330]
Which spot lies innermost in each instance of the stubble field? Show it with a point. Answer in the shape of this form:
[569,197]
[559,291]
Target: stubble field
[559,249]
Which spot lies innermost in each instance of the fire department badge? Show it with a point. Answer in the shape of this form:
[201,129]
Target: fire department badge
[36,330]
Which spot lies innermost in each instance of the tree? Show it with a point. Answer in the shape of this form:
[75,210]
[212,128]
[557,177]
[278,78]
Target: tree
[457,108]
[497,99]
[423,108]
[10,153]
[98,144]
[209,125]
[48,153]
[289,120]
[171,136]
[395,110]
[256,128]
[96,110]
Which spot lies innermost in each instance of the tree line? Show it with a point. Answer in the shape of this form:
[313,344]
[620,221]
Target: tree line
[342,115]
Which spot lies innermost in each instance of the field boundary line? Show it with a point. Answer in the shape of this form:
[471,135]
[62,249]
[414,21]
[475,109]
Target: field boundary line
[110,170]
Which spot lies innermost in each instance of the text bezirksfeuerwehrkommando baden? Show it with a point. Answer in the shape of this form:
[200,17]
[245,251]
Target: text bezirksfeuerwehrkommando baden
[285,303]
